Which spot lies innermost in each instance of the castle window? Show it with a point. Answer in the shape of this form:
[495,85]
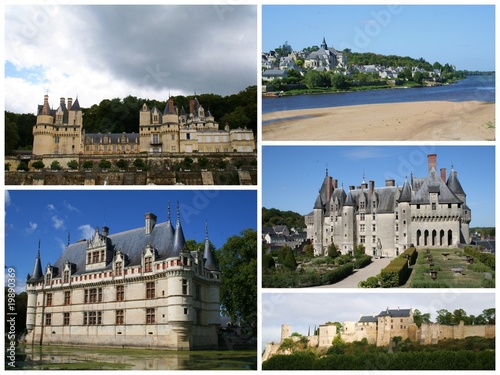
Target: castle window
[433,206]
[48,279]
[362,217]
[48,319]
[174,148]
[105,148]
[184,286]
[362,205]
[66,319]
[148,264]
[173,137]
[95,257]
[150,316]
[66,277]
[92,318]
[56,139]
[89,258]
[150,290]
[67,298]
[120,293]
[362,227]
[49,299]
[118,268]
[188,136]
[362,239]
[226,149]
[374,227]
[120,318]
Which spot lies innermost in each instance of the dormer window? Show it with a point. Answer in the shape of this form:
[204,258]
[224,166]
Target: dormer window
[48,279]
[148,264]
[66,277]
[118,268]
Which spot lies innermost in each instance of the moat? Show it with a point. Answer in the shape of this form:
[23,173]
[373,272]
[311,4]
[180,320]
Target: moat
[87,358]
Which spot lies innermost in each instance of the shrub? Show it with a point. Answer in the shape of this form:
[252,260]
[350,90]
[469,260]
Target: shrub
[7,167]
[395,274]
[371,282]
[139,163]
[267,262]
[332,251]
[188,162]
[238,163]
[72,164]
[202,162]
[88,164]
[23,166]
[38,164]
[485,258]
[122,164]
[289,260]
[104,164]
[362,261]
[488,283]
[339,273]
[55,166]
[221,164]
[412,254]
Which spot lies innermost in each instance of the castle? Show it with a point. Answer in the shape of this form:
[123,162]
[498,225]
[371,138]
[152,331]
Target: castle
[381,329]
[138,288]
[429,211]
[60,132]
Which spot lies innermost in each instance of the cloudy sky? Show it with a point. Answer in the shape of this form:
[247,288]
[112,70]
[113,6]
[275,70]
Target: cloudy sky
[304,310]
[100,52]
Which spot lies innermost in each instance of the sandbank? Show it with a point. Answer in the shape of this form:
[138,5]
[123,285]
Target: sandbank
[415,121]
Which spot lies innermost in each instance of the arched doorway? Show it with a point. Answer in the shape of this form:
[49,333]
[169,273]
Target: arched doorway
[441,237]
[426,238]
[419,234]
[434,235]
[450,237]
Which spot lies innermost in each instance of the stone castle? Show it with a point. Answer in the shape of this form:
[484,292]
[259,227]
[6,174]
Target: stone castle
[173,130]
[138,288]
[381,329]
[428,211]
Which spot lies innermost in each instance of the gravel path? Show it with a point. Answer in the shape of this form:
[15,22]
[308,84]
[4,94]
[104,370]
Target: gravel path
[359,275]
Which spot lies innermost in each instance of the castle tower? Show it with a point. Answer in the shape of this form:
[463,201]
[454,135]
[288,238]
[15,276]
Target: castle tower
[36,276]
[285,331]
[318,227]
[212,295]
[349,227]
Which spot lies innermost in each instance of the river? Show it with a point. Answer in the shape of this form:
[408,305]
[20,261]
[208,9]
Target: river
[87,358]
[478,88]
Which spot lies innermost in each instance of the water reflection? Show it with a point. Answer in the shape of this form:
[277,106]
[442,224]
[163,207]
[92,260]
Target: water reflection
[77,358]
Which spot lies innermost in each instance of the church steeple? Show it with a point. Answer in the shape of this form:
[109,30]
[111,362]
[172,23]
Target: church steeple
[323,44]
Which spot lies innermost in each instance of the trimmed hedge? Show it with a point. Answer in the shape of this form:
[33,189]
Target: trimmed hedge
[485,258]
[362,261]
[395,274]
[412,255]
[306,279]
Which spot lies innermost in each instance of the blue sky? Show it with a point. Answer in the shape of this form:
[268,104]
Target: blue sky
[48,216]
[463,35]
[292,175]
[307,310]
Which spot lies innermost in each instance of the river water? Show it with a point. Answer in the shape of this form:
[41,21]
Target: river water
[86,358]
[479,88]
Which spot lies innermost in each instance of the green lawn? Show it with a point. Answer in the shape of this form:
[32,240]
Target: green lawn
[471,277]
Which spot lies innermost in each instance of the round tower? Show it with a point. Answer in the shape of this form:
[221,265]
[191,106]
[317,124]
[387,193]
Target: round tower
[31,310]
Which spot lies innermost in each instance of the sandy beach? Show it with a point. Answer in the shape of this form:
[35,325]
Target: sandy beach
[422,121]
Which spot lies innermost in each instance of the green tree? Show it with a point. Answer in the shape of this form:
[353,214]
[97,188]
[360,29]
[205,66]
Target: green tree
[489,315]
[309,250]
[55,165]
[418,77]
[419,318]
[236,119]
[338,346]
[313,79]
[11,137]
[188,162]
[284,50]
[339,81]
[73,164]
[332,251]
[237,260]
[202,162]
[444,317]
[221,164]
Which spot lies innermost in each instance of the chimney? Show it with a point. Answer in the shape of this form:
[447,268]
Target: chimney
[170,105]
[443,174]
[191,106]
[150,219]
[70,102]
[63,101]
[364,185]
[105,231]
[372,186]
[45,109]
[390,182]
[335,184]
[351,187]
[328,188]
[431,160]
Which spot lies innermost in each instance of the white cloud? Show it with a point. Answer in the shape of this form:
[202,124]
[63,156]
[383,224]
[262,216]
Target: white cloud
[51,207]
[86,231]
[7,198]
[57,223]
[70,207]
[31,227]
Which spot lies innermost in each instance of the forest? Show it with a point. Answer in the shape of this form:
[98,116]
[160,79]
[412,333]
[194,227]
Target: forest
[273,216]
[122,115]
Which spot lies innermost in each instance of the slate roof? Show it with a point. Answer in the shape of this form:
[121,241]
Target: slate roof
[368,318]
[37,269]
[114,138]
[395,313]
[167,241]
[454,185]
[434,184]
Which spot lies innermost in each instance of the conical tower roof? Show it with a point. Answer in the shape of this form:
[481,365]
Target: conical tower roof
[37,269]
[405,195]
[208,257]
[454,185]
[179,240]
